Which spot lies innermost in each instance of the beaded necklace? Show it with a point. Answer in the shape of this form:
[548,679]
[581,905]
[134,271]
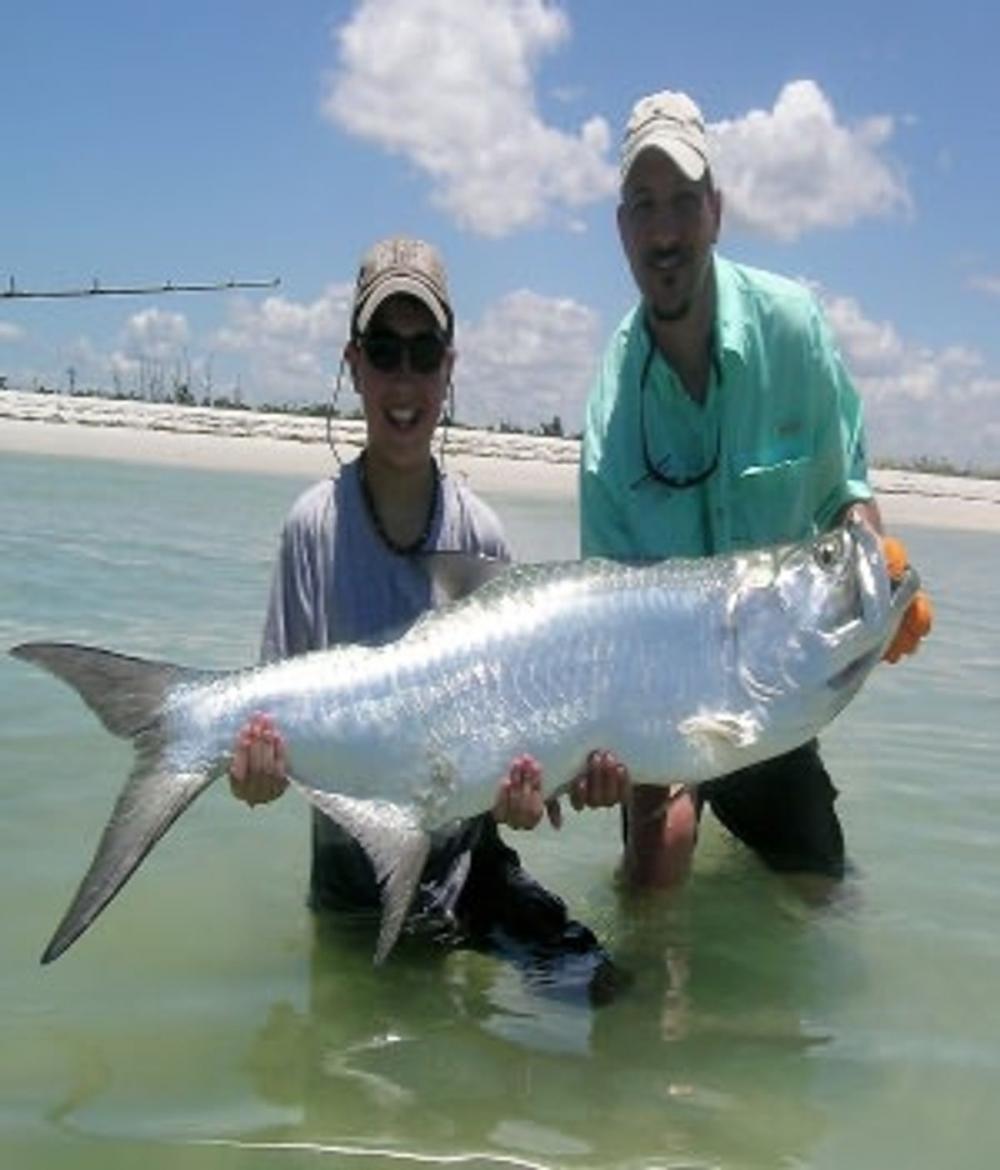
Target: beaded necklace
[402,550]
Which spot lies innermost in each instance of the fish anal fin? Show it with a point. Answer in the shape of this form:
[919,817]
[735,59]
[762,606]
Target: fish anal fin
[395,844]
[398,890]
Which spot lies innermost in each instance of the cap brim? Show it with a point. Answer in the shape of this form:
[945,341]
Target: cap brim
[396,286]
[689,161]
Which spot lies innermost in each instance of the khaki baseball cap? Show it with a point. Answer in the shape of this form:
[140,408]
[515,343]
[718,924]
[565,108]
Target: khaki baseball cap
[670,122]
[401,265]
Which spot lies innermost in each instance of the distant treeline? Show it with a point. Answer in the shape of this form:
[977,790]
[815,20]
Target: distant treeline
[182,395]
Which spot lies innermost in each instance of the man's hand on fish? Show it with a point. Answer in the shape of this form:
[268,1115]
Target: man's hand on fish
[257,771]
[919,616]
[519,802]
[603,783]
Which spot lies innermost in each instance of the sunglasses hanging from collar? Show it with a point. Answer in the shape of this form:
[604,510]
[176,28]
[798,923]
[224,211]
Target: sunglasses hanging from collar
[658,469]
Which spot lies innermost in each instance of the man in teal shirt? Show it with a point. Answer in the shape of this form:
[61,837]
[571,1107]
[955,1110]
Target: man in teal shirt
[772,438]
[721,418]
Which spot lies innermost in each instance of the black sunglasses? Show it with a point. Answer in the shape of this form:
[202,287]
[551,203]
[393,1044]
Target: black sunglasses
[657,470]
[424,351]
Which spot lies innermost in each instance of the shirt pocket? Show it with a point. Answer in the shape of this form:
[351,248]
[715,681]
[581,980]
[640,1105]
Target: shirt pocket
[773,500]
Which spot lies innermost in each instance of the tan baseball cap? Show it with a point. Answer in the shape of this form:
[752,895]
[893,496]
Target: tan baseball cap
[401,265]
[670,122]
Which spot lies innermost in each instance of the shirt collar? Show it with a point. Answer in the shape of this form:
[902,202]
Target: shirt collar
[727,331]
[731,324]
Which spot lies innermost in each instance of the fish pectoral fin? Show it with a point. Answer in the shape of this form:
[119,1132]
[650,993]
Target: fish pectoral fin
[735,729]
[395,843]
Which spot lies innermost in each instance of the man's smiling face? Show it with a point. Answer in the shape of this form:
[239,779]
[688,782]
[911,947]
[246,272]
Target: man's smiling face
[668,225]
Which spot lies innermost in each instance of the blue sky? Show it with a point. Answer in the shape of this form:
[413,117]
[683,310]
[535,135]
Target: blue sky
[857,145]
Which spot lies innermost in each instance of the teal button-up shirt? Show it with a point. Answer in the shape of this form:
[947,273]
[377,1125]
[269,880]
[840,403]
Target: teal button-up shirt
[781,416]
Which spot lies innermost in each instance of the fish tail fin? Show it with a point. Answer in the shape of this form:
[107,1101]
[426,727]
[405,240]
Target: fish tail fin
[127,695]
[396,846]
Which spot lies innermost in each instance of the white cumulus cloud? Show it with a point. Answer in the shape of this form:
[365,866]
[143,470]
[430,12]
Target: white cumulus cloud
[797,167]
[155,335]
[151,359]
[289,351]
[526,361]
[450,86]
[986,284]
[942,403]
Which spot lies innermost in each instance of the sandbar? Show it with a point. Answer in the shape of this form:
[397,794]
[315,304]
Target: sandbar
[493,462]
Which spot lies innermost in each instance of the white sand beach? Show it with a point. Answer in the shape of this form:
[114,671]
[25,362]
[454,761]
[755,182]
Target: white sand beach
[266,443]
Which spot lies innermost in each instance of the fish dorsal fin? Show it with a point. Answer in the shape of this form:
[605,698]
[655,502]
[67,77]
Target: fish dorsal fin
[454,575]
[395,844]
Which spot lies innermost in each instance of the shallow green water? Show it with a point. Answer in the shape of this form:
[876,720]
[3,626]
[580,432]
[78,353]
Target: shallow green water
[202,1022]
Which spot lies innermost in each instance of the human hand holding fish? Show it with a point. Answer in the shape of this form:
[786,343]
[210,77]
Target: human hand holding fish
[603,783]
[258,772]
[519,803]
[919,617]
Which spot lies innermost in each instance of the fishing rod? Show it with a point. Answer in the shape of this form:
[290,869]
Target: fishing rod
[12,292]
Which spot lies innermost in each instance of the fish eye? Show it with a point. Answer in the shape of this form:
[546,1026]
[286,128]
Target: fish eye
[829,551]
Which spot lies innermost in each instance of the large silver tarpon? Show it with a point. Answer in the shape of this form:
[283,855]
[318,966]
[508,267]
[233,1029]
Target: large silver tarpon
[686,669]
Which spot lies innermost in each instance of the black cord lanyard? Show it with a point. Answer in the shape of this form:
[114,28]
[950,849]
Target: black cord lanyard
[402,550]
[653,470]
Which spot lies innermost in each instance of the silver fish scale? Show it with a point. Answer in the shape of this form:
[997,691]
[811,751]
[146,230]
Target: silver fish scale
[547,660]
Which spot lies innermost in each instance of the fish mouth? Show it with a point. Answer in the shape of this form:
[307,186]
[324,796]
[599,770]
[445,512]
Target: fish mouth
[901,593]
